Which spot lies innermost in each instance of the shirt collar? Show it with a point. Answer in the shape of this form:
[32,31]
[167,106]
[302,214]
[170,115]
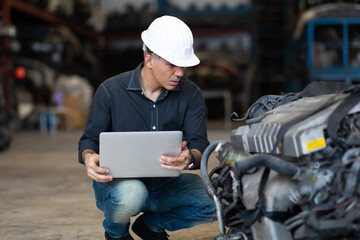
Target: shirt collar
[134,83]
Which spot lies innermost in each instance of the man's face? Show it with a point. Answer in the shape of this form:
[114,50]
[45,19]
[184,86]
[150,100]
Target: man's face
[166,74]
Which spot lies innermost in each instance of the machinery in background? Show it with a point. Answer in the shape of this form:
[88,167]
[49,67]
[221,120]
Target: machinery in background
[46,55]
[293,170]
[325,45]
[7,98]
[5,132]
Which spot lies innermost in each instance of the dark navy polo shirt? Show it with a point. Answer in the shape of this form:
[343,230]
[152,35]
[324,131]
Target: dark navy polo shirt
[119,105]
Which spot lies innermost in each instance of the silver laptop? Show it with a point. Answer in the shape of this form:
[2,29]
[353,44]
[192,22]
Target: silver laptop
[136,154]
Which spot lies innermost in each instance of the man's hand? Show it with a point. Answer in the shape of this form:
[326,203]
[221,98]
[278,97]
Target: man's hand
[177,163]
[91,161]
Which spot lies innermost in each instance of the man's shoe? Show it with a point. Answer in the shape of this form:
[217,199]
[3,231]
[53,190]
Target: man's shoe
[145,233]
[127,237]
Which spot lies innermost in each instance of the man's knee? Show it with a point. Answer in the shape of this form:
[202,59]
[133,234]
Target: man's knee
[205,205]
[126,199]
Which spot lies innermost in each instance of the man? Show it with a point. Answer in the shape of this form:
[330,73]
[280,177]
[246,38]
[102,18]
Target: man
[153,97]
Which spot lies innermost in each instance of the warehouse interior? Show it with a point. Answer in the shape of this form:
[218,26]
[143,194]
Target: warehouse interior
[54,55]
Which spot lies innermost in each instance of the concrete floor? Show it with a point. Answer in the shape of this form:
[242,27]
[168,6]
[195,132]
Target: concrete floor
[46,194]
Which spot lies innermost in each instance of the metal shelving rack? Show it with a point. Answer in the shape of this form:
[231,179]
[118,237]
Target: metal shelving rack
[162,7]
[342,71]
[40,13]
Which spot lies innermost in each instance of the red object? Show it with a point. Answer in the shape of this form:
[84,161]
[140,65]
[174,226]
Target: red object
[20,72]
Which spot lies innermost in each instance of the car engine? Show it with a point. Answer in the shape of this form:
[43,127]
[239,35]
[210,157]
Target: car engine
[292,170]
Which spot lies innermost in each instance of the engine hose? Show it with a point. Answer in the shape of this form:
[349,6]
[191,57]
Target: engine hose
[285,168]
[209,188]
[236,158]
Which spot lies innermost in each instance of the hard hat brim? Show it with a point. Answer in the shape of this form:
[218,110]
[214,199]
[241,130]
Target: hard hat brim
[193,61]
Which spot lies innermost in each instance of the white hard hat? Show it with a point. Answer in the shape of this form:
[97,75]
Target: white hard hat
[171,39]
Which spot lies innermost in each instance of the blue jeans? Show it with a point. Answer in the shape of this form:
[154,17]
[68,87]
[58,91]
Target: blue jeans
[170,203]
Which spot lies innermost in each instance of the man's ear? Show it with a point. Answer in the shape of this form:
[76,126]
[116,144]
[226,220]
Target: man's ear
[148,60]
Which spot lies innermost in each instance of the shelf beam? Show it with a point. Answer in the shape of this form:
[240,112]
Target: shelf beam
[41,13]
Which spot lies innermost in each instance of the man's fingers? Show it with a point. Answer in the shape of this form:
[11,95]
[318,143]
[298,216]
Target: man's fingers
[98,173]
[173,163]
[173,167]
[97,170]
[97,176]
[101,170]
[183,145]
[94,171]
[103,178]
